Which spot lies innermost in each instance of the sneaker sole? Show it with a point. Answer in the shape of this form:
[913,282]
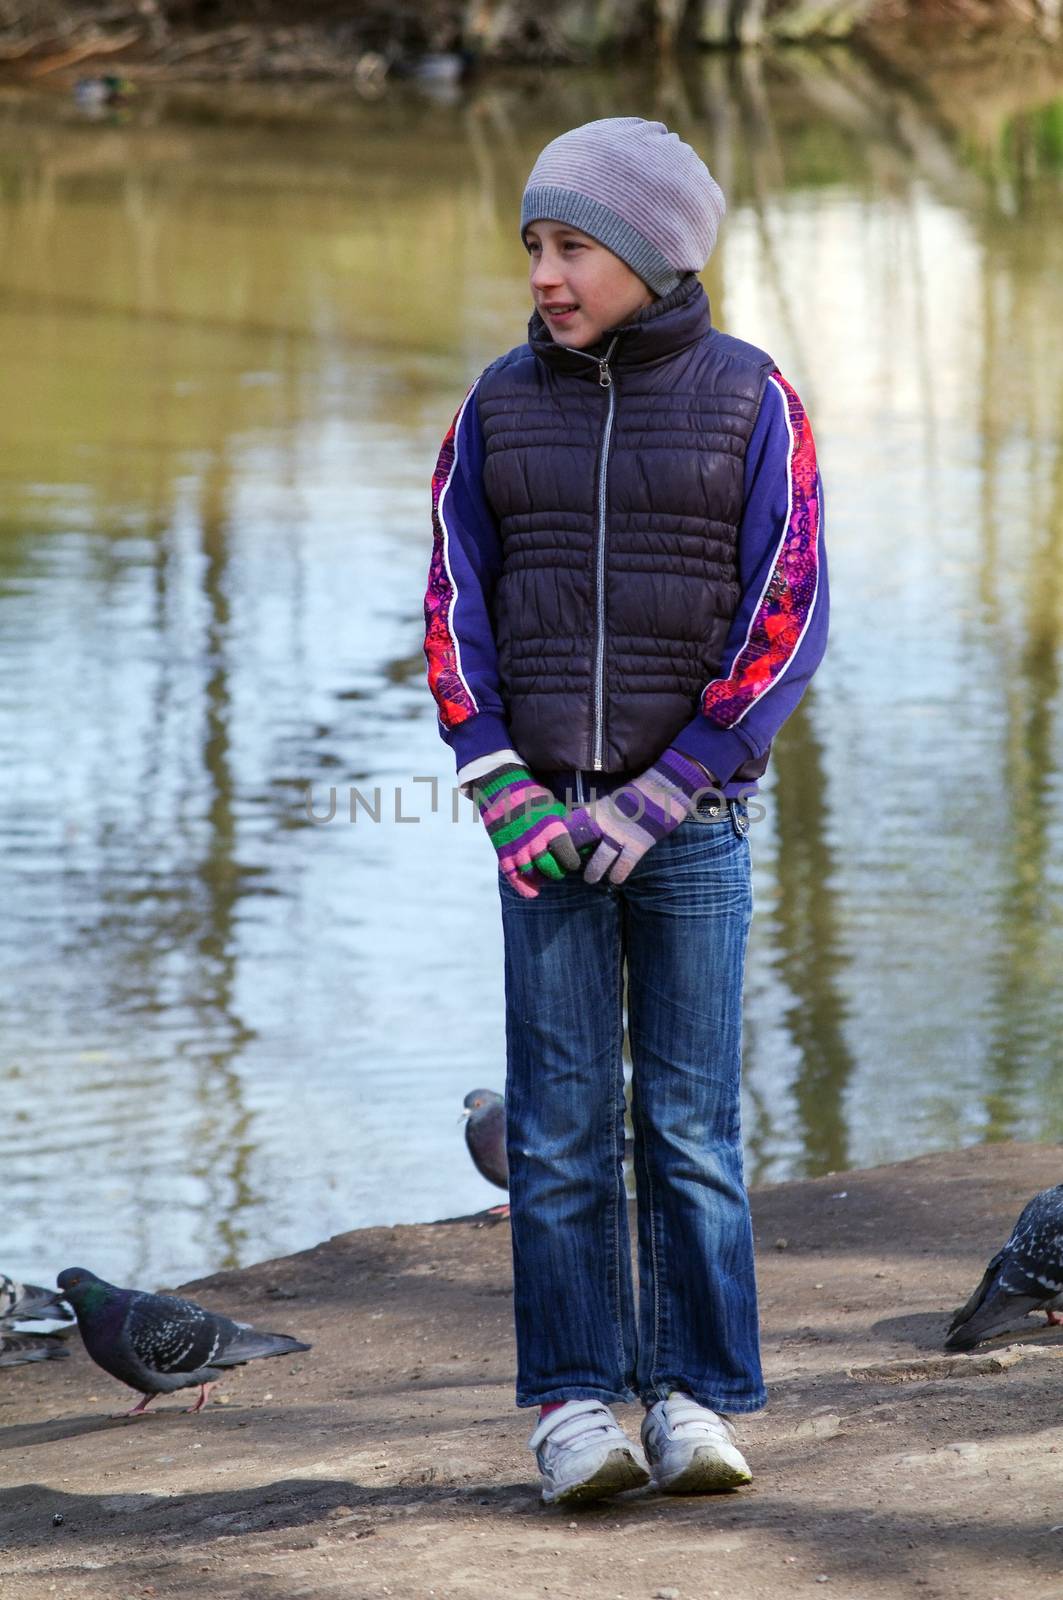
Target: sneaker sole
[618,1472]
[706,1473]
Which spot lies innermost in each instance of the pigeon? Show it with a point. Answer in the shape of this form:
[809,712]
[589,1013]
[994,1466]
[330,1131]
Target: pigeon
[1026,1275]
[25,1302]
[485,1135]
[18,1348]
[157,1343]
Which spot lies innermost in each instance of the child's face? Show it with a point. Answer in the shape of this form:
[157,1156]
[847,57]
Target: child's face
[579,287]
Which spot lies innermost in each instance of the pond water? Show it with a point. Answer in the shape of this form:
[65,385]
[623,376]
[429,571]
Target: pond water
[232,333]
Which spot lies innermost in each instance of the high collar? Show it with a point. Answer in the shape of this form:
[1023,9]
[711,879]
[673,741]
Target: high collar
[657,331]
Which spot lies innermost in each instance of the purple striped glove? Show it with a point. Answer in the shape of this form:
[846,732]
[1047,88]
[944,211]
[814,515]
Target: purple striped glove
[527,827]
[636,816]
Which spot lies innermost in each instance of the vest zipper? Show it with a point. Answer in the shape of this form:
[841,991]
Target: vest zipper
[605,379]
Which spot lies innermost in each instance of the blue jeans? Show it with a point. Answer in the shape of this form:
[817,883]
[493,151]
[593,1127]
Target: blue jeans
[678,926]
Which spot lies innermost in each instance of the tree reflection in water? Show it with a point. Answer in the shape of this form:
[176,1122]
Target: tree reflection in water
[232,343]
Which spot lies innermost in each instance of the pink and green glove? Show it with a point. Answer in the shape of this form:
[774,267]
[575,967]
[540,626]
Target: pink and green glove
[644,811]
[527,827]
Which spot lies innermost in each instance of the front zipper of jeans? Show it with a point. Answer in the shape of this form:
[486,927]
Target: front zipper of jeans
[605,379]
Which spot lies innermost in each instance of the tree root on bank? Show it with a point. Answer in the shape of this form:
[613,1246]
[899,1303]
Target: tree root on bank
[257,38]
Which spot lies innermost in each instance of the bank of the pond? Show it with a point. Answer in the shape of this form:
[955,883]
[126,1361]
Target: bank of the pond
[368,42]
[389,1461]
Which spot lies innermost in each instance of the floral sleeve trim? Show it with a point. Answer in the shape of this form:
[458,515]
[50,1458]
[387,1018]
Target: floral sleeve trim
[446,680]
[788,598]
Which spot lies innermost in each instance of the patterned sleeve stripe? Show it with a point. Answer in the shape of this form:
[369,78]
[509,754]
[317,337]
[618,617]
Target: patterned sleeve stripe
[788,598]
[446,680]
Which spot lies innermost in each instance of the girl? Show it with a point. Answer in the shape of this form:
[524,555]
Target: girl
[627,597]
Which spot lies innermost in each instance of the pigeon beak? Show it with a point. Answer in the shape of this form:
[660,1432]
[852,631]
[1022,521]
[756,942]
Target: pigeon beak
[466,1113]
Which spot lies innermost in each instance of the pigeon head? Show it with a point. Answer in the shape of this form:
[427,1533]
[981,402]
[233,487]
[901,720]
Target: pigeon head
[481,1100]
[81,1287]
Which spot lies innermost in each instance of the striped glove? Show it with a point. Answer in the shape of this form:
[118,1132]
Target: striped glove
[642,812]
[527,827]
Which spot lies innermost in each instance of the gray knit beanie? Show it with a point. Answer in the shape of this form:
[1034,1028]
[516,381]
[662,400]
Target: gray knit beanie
[637,189]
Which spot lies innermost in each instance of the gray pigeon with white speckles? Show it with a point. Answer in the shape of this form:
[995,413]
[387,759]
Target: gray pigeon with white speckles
[1026,1275]
[27,1302]
[157,1343]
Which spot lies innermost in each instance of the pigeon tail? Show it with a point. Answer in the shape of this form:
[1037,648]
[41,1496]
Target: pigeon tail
[997,1313]
[42,1305]
[989,1280]
[18,1348]
[28,1302]
[252,1343]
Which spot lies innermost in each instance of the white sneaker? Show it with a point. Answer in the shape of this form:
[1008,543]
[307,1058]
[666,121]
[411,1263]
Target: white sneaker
[690,1449]
[584,1454]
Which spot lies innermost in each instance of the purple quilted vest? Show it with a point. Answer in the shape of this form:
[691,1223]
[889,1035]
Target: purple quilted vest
[617,481]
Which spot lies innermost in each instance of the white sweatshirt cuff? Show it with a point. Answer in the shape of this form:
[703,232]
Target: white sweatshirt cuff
[468,774]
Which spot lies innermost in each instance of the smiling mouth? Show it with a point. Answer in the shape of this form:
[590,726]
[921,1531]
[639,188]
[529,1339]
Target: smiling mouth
[560,311]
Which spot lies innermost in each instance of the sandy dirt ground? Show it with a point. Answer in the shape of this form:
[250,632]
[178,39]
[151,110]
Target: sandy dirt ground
[390,1460]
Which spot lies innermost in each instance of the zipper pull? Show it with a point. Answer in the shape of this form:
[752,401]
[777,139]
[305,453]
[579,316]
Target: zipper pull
[605,377]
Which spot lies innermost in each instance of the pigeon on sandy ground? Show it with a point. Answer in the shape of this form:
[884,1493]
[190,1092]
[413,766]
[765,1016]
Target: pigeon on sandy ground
[27,1302]
[18,1348]
[157,1343]
[1026,1275]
